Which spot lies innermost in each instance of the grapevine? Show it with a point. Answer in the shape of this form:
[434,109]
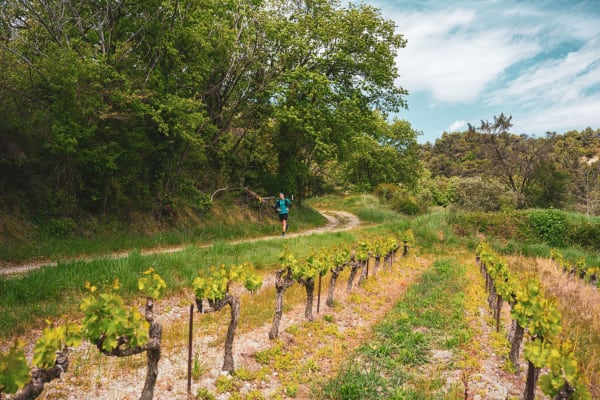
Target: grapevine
[14,372]
[120,331]
[532,311]
[213,285]
[338,259]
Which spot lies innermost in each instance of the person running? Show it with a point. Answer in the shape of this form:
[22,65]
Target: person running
[282,206]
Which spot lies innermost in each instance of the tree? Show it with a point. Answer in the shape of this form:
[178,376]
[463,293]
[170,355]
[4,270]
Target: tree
[337,65]
[515,159]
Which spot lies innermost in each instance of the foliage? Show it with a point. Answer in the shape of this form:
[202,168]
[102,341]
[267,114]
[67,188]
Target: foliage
[315,264]
[560,171]
[112,109]
[477,194]
[548,226]
[14,371]
[152,284]
[106,320]
[563,369]
[213,283]
[55,339]
[541,318]
[400,199]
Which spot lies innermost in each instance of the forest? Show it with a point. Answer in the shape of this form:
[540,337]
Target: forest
[118,108]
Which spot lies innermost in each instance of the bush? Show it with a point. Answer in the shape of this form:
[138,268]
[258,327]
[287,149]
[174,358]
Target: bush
[407,204]
[505,225]
[476,194]
[583,233]
[548,226]
[400,199]
[60,227]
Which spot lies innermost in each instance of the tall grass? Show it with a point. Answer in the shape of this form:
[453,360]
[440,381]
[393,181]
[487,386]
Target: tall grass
[367,207]
[430,316]
[48,293]
[224,224]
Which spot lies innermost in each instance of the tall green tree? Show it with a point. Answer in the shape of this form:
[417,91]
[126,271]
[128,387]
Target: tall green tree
[337,67]
[516,159]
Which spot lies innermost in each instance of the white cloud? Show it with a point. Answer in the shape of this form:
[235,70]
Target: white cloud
[450,55]
[457,126]
[536,61]
[554,81]
[560,117]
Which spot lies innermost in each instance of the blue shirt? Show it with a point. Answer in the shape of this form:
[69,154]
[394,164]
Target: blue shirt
[283,205]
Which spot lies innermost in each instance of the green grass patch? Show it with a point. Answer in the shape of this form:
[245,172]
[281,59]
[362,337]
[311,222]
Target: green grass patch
[429,317]
[48,293]
[225,224]
[367,207]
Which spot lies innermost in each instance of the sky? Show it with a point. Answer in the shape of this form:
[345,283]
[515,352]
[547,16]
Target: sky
[467,61]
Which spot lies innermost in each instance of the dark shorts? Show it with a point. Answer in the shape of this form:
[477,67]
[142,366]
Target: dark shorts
[283,217]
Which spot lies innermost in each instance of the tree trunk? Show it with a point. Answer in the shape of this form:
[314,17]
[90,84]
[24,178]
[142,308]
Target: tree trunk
[309,285]
[335,272]
[405,251]
[516,338]
[281,285]
[41,376]
[234,303]
[532,377]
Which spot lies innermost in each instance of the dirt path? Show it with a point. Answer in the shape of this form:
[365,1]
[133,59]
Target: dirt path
[336,221]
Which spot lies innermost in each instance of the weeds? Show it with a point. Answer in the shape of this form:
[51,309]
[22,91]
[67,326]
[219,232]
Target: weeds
[427,318]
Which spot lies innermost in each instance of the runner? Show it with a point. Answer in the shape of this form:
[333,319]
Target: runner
[282,206]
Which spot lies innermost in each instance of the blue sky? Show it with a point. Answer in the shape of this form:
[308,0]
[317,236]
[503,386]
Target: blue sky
[468,61]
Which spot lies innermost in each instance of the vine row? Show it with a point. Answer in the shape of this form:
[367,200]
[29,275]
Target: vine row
[118,330]
[580,269]
[537,316]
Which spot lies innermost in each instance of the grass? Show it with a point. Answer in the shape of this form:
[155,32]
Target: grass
[429,317]
[220,225]
[49,293]
[367,207]
[383,368]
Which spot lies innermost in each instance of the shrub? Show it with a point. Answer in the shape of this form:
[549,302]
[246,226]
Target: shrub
[476,194]
[504,225]
[548,226]
[407,204]
[583,233]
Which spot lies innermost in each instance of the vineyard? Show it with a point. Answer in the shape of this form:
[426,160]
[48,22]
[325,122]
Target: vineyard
[373,315]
